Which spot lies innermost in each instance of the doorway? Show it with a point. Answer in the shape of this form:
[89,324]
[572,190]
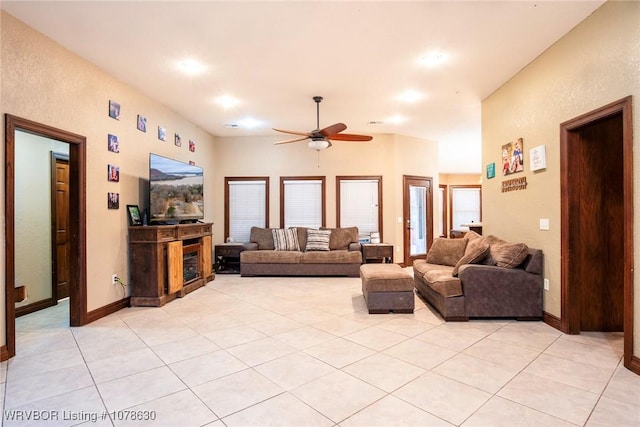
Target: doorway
[61,245]
[76,222]
[417,217]
[597,223]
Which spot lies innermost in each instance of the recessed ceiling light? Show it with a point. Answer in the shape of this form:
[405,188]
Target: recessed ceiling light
[231,125]
[227,101]
[433,59]
[249,123]
[376,122]
[191,67]
[410,96]
[397,119]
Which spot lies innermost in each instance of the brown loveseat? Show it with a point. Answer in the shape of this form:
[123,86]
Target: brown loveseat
[302,252]
[481,277]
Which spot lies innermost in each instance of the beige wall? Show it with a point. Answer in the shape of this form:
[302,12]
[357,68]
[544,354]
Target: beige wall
[391,156]
[43,82]
[597,63]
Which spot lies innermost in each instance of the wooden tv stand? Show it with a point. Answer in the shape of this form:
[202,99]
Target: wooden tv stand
[157,257]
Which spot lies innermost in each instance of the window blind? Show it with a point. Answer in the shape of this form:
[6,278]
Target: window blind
[247,208]
[302,203]
[465,206]
[359,205]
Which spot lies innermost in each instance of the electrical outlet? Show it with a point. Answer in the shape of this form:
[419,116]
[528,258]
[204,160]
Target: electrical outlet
[114,279]
[546,284]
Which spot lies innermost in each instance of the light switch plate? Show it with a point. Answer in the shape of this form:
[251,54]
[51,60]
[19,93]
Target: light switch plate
[544,223]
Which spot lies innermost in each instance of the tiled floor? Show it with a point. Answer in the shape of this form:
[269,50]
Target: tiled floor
[305,352]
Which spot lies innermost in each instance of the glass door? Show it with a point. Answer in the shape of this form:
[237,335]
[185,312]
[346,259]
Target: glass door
[418,217]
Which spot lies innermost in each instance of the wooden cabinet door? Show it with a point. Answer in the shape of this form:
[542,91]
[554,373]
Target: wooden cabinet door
[175,275]
[206,257]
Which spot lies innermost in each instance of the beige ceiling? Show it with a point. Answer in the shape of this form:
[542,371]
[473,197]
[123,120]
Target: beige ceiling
[274,56]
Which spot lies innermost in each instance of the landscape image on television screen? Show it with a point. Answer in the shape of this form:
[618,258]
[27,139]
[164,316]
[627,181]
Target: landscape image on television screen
[175,190]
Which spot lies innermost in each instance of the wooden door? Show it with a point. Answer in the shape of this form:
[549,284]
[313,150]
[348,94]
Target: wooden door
[60,225]
[417,217]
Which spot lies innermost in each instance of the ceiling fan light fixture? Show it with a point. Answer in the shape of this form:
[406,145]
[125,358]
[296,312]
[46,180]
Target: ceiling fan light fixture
[319,144]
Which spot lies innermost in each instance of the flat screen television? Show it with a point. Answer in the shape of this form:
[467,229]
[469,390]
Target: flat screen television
[175,191]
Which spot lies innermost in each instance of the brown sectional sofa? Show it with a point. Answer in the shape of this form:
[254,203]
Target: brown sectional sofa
[481,277]
[261,258]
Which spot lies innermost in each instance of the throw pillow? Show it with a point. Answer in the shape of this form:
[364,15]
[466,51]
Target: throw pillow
[446,251]
[505,254]
[263,237]
[472,235]
[342,237]
[318,240]
[285,239]
[475,252]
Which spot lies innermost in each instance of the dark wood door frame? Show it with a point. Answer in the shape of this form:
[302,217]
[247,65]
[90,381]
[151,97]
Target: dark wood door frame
[570,311]
[406,183]
[77,227]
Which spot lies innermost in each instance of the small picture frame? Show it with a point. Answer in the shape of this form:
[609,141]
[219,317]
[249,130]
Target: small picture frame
[133,213]
[192,146]
[113,144]
[538,158]
[178,140]
[491,170]
[113,173]
[192,163]
[162,133]
[114,110]
[113,200]
[142,123]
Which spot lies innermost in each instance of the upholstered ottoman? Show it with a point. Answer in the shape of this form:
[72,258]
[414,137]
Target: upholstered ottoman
[387,287]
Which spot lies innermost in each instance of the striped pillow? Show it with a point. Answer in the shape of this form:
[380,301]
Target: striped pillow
[318,240]
[285,239]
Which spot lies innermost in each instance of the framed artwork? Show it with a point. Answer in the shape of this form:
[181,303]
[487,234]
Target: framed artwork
[538,158]
[491,170]
[192,146]
[142,123]
[192,163]
[114,110]
[133,213]
[162,133]
[113,144]
[113,200]
[513,157]
[113,173]
[178,140]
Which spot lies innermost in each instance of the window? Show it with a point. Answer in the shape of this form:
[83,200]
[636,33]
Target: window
[302,202]
[465,205]
[246,204]
[359,203]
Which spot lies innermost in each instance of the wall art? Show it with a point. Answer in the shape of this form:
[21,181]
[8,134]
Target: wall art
[142,123]
[114,110]
[113,144]
[113,200]
[513,157]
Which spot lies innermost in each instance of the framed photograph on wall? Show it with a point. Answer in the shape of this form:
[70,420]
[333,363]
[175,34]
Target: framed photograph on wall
[162,133]
[178,140]
[133,213]
[142,123]
[113,200]
[113,144]
[114,110]
[192,146]
[538,158]
[113,173]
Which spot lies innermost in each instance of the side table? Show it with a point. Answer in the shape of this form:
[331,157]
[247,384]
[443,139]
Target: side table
[377,252]
[227,257]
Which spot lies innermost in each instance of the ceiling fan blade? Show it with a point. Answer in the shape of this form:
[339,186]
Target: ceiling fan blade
[288,141]
[333,129]
[293,132]
[349,137]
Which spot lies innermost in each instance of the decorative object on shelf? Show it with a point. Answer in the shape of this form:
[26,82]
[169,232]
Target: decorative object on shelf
[491,170]
[133,213]
[113,144]
[178,140]
[142,123]
[162,133]
[374,238]
[113,200]
[113,173]
[192,146]
[513,157]
[538,158]
[114,110]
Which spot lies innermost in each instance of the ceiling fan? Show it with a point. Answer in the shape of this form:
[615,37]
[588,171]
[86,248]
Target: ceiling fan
[321,138]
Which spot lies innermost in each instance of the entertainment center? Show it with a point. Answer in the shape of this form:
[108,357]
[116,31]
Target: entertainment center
[168,261]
